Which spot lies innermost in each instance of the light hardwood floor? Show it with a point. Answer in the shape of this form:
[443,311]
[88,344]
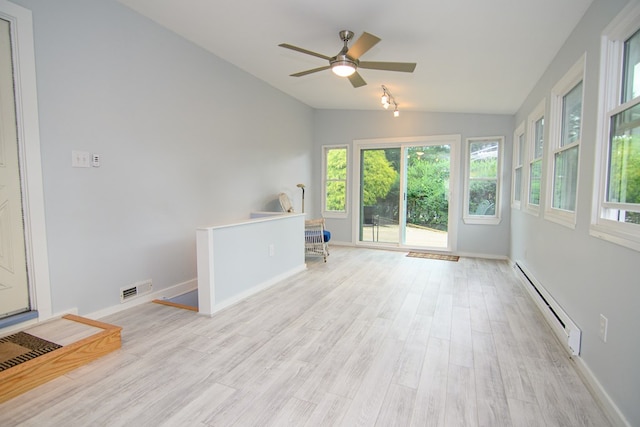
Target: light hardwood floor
[370,338]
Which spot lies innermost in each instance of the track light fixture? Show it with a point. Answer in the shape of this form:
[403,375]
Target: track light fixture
[387,99]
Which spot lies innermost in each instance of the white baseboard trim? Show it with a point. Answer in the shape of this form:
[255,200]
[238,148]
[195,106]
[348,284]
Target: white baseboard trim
[339,243]
[482,256]
[616,417]
[260,287]
[164,293]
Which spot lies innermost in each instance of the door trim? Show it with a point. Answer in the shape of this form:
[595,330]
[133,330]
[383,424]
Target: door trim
[29,156]
[453,140]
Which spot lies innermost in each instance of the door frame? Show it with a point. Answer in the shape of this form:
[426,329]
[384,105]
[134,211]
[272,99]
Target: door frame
[454,141]
[28,131]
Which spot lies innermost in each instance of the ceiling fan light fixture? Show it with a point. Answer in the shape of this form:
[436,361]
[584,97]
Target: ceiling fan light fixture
[343,68]
[347,61]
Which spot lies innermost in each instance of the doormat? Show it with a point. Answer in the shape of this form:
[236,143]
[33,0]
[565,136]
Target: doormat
[427,255]
[21,347]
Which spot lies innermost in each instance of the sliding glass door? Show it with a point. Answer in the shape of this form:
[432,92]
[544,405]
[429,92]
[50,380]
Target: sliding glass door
[380,195]
[404,190]
[427,195]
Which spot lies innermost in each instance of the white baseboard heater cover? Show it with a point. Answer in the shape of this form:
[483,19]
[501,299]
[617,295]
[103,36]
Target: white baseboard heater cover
[560,322]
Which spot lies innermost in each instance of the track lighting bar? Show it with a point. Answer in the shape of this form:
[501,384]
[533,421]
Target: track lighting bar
[387,99]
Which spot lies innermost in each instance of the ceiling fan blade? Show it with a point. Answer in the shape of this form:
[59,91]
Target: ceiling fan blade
[301,50]
[314,70]
[406,67]
[363,44]
[356,80]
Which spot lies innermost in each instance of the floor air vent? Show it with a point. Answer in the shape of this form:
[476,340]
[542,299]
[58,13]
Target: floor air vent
[558,319]
[137,289]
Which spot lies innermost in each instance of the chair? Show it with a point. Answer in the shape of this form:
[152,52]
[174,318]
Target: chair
[369,217]
[316,237]
[485,208]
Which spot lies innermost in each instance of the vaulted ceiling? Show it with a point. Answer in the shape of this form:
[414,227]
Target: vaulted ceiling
[473,56]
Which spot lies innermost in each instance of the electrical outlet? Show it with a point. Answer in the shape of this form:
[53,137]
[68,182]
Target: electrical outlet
[604,324]
[95,160]
[272,249]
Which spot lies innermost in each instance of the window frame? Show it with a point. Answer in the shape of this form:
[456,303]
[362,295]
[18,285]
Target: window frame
[538,113]
[518,163]
[325,180]
[483,219]
[621,28]
[573,77]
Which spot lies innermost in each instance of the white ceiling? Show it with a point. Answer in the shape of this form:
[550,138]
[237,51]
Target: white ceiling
[473,56]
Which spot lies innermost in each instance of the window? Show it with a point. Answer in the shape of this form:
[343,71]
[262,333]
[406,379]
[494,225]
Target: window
[518,160]
[334,202]
[616,213]
[482,187]
[535,154]
[564,143]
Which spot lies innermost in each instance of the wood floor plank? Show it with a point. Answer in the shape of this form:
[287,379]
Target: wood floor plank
[431,396]
[329,411]
[493,408]
[461,404]
[197,410]
[397,407]
[525,414]
[409,367]
[350,376]
[64,331]
[295,413]
[461,347]
[367,402]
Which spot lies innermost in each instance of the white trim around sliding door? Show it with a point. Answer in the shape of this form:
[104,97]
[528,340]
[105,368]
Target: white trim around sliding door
[455,200]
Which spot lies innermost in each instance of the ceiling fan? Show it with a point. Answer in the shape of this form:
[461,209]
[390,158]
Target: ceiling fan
[346,62]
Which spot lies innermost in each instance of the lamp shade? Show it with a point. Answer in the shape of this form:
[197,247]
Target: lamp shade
[343,68]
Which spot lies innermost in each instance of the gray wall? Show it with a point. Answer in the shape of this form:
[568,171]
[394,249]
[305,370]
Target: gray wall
[186,140]
[586,275]
[342,127]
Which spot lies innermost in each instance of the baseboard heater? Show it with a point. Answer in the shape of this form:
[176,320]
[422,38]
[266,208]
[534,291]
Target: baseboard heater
[560,322]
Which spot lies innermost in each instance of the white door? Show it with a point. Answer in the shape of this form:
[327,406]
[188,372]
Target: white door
[14,287]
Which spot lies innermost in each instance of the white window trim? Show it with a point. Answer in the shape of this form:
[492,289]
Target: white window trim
[573,77]
[325,212]
[537,113]
[516,204]
[611,52]
[482,219]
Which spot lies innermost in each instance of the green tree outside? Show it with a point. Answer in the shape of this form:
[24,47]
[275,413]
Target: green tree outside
[336,191]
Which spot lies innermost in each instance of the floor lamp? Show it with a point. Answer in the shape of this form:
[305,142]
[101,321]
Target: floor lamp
[301,186]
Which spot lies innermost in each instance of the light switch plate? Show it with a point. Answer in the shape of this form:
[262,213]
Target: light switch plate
[80,159]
